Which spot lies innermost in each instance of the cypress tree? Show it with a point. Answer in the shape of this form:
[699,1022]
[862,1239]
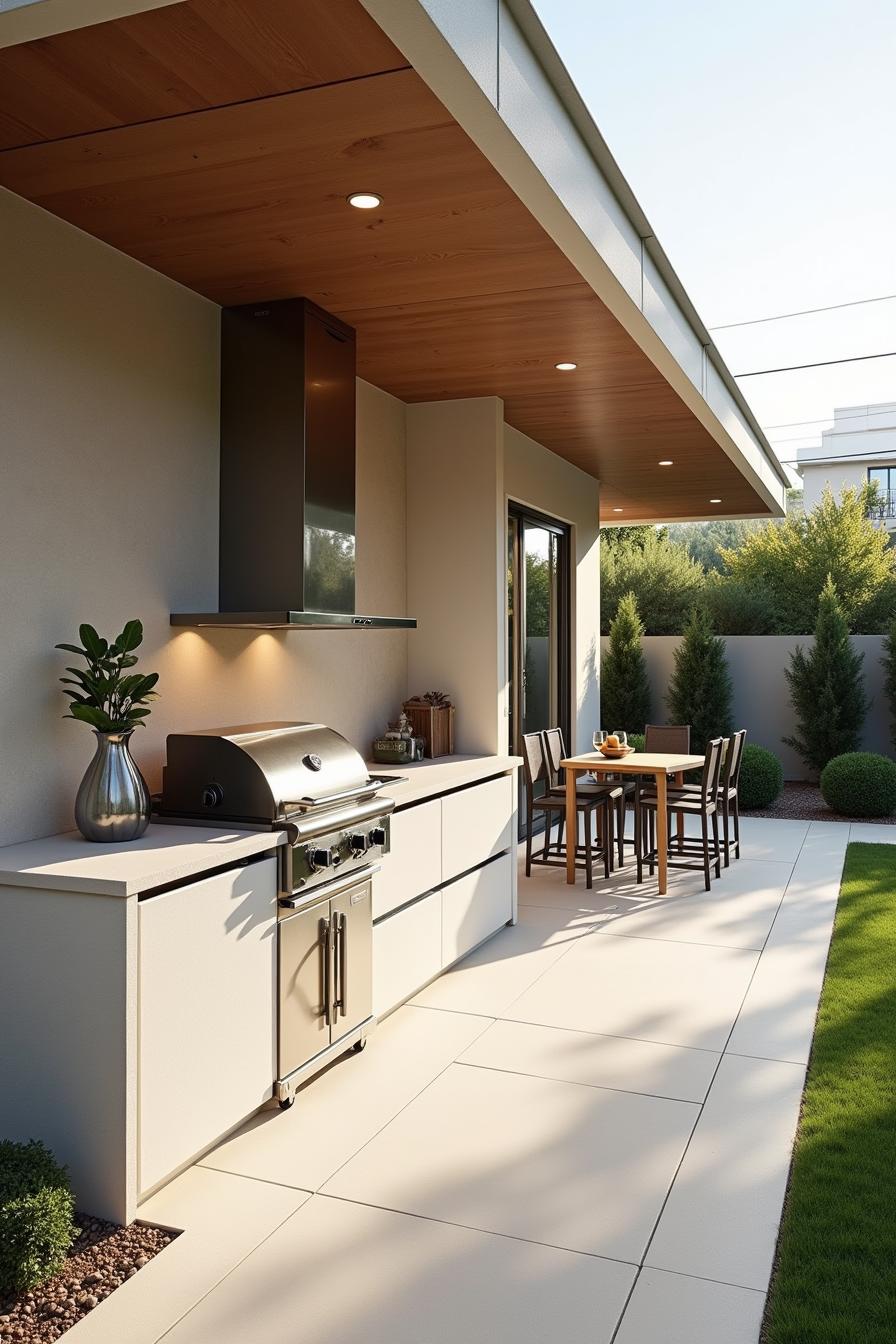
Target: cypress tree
[826,688]
[889,662]
[700,689]
[624,686]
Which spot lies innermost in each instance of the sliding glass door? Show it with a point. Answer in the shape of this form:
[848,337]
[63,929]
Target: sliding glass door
[538,626]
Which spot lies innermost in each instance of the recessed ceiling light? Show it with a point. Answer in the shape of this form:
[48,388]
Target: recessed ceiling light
[364,200]
[565,366]
[715,501]
[666,462]
[617,510]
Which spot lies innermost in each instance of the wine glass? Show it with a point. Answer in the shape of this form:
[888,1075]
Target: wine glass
[622,737]
[598,739]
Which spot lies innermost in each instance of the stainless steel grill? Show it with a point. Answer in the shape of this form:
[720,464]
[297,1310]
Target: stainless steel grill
[308,781]
[302,778]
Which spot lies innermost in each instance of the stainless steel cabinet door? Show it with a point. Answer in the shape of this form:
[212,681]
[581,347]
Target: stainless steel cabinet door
[305,978]
[353,944]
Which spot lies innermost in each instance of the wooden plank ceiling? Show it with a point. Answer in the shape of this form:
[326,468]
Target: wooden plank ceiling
[217,140]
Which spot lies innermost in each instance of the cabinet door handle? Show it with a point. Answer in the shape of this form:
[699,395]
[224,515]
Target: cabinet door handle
[343,960]
[327,939]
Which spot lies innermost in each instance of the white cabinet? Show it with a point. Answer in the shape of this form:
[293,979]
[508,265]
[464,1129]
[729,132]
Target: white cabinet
[207,987]
[414,863]
[476,824]
[407,952]
[474,906]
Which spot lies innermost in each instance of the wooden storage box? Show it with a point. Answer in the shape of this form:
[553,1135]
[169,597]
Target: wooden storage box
[434,725]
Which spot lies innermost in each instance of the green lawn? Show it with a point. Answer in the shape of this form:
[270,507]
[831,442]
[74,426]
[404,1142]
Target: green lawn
[835,1279]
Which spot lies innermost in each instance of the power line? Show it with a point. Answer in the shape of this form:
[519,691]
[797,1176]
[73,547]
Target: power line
[832,459]
[833,434]
[803,312]
[837,419]
[819,364]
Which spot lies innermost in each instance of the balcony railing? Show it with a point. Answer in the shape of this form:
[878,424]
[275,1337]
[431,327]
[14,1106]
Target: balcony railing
[883,509]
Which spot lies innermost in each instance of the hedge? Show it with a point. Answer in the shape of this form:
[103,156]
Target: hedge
[36,1207]
[860,784]
[761,777]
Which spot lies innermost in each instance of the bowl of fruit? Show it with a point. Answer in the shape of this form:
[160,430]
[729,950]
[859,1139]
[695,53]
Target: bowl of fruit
[614,748]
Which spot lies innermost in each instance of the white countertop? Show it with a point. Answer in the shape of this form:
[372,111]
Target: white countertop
[164,854]
[427,779]
[175,853]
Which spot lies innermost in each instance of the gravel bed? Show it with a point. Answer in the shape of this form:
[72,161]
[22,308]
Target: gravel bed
[803,802]
[102,1256]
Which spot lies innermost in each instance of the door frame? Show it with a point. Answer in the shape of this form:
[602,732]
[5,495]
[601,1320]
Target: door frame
[518,515]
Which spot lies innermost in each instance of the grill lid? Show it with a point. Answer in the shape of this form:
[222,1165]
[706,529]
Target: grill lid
[261,771]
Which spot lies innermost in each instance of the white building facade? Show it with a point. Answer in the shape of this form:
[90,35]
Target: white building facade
[860,447]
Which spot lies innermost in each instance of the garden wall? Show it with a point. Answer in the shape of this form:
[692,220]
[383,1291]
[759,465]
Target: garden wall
[761,699]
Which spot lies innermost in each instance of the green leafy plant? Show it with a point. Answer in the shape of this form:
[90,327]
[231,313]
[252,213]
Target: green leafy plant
[700,689]
[889,662]
[36,1207]
[105,694]
[761,777]
[860,784]
[826,688]
[789,563]
[624,686]
[637,741]
[665,580]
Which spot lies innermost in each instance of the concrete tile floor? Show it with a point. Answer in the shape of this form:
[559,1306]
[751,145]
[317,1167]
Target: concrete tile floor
[582,1133]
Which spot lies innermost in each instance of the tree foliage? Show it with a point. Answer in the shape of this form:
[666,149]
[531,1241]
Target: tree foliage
[790,563]
[889,662]
[664,579]
[826,688]
[700,689]
[624,685]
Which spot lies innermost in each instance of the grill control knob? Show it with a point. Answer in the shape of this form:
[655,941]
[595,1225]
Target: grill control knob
[359,843]
[322,858]
[212,795]
[377,836]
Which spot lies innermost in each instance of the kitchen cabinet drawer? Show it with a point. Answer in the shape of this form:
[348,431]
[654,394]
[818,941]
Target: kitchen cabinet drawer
[414,863]
[475,906]
[407,952]
[475,825]
[207,983]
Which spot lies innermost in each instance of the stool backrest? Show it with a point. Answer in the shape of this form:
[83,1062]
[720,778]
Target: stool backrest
[534,768]
[554,753]
[734,759]
[712,770]
[668,737]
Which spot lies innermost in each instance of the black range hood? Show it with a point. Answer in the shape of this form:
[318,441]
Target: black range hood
[287,525]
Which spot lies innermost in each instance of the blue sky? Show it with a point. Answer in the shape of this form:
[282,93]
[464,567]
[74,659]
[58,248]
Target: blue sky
[760,140]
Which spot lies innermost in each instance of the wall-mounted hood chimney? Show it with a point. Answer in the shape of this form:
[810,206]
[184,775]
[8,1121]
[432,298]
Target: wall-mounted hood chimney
[287,531]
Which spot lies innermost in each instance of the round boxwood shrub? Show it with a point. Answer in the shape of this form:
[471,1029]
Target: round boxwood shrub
[36,1207]
[636,740]
[860,784]
[761,777]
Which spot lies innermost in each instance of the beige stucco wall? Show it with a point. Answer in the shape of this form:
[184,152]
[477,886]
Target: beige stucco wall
[456,576]
[108,510]
[835,475]
[544,481]
[761,697]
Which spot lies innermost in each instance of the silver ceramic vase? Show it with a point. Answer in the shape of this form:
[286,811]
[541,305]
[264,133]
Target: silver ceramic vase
[113,800]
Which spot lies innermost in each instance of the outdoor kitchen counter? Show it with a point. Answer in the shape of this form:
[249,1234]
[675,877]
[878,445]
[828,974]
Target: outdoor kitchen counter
[428,779]
[165,854]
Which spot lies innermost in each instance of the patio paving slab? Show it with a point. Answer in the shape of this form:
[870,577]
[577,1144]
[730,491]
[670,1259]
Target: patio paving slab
[224,1219]
[737,912]
[596,1061]
[580,1168]
[341,1110]
[674,1309]
[495,974]
[669,992]
[721,1219]
[339,1273]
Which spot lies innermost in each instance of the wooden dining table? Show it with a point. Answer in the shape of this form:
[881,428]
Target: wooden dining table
[660,764]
